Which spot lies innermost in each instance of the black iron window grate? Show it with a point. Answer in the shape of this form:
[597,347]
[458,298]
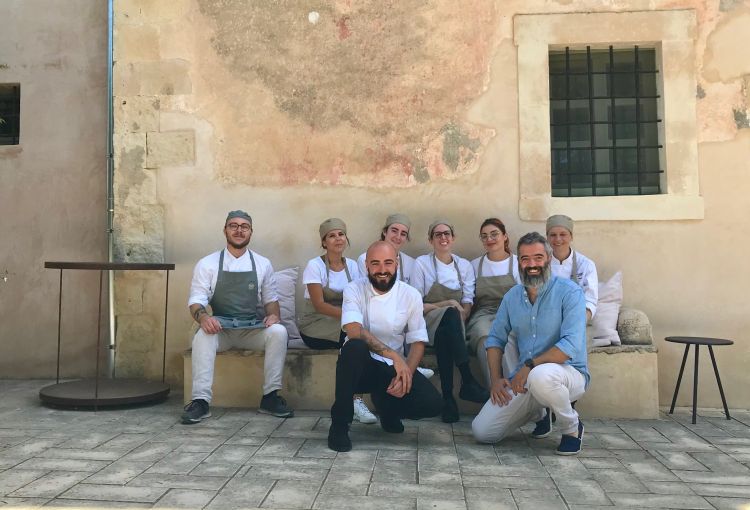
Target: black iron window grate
[604,122]
[10,113]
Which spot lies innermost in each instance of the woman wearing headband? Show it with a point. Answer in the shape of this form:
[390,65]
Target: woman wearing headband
[325,278]
[446,282]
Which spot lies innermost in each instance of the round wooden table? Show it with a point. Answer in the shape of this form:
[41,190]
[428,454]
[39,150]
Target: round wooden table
[697,341]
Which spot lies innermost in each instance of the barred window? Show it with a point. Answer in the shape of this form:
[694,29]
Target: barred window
[604,122]
[10,109]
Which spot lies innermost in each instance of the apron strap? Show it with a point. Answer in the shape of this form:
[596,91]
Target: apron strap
[328,271]
[574,268]
[510,265]
[401,266]
[455,265]
[481,262]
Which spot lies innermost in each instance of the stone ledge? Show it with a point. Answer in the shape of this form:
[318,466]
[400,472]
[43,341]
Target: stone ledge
[619,349]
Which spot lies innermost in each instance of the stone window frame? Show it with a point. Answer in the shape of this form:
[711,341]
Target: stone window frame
[673,34]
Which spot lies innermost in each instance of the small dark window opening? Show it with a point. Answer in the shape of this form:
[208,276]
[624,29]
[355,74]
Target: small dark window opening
[10,113]
[604,122]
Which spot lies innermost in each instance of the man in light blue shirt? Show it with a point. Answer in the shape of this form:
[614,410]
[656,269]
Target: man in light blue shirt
[548,316]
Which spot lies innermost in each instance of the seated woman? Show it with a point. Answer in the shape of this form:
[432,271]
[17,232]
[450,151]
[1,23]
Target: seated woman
[446,283]
[568,263]
[325,278]
[496,272]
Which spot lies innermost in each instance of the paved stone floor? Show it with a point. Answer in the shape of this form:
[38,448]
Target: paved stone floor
[143,457]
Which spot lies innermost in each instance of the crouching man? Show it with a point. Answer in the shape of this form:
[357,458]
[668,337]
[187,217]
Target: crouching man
[379,314]
[240,287]
[548,315]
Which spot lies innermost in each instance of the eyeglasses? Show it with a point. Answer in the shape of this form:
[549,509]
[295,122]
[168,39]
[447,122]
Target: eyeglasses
[244,227]
[446,234]
[492,235]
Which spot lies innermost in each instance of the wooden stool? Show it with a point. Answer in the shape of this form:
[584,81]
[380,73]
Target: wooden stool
[697,342]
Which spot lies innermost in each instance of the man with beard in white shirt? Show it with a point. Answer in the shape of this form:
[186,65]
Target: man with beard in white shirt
[379,314]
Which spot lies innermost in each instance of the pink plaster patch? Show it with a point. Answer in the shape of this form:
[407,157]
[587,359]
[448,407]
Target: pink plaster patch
[344,31]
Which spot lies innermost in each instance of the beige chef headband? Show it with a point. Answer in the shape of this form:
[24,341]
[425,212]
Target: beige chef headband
[560,220]
[435,223]
[331,224]
[397,218]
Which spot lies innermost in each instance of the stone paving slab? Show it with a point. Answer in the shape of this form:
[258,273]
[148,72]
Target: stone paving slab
[144,458]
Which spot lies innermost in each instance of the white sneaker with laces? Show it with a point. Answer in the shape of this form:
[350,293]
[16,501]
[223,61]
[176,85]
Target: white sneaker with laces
[361,413]
[427,372]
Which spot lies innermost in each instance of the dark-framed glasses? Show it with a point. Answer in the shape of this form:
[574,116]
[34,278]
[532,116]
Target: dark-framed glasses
[244,227]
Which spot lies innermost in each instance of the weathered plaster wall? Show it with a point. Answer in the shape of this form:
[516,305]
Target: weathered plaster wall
[384,106]
[52,185]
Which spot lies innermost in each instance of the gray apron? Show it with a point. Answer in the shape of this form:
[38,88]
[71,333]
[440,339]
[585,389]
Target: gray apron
[574,269]
[235,299]
[317,325]
[439,292]
[489,293]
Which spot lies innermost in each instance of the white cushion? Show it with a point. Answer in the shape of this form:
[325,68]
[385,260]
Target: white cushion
[286,286]
[604,323]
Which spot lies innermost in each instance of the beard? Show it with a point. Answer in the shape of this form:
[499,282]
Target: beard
[534,281]
[382,286]
[238,246]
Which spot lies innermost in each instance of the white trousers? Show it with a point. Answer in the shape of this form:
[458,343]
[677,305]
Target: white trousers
[272,340]
[549,385]
[510,358]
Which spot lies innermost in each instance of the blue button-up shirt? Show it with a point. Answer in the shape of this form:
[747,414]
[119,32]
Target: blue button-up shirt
[556,319]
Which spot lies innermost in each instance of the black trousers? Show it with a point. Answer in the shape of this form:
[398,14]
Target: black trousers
[357,372]
[321,344]
[450,348]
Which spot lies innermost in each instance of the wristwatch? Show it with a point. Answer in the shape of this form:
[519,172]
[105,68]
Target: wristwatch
[529,363]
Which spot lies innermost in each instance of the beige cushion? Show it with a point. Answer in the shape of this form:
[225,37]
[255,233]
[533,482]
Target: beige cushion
[286,286]
[604,323]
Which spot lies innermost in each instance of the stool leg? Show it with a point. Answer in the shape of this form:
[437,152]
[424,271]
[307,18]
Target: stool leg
[679,378]
[695,382]
[718,380]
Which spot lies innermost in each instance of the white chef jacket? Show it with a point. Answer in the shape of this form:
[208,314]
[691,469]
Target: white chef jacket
[587,277]
[496,268]
[405,269]
[423,276]
[394,317]
[207,270]
[315,272]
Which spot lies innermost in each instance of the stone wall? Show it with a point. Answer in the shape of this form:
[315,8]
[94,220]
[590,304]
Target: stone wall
[298,111]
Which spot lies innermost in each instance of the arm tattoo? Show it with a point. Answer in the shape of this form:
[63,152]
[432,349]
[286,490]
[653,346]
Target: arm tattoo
[374,344]
[200,311]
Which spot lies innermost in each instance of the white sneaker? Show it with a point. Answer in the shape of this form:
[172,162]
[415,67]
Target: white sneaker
[361,413]
[427,372]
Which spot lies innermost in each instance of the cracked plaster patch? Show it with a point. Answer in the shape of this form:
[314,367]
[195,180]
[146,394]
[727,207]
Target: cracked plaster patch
[372,93]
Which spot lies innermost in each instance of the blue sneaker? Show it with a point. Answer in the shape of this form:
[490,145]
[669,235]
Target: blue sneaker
[543,426]
[571,445]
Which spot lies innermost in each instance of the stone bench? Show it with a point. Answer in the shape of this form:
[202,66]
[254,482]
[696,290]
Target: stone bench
[624,378]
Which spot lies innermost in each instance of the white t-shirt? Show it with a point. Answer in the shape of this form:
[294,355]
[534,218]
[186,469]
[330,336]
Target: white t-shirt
[500,268]
[394,317]
[587,277]
[207,271]
[423,276]
[315,272]
[405,270]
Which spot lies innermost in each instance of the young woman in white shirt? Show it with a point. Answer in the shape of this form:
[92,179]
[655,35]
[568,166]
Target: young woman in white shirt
[496,273]
[446,282]
[325,278]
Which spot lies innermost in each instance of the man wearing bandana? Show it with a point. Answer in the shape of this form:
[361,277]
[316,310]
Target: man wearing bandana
[548,315]
[240,287]
[379,313]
